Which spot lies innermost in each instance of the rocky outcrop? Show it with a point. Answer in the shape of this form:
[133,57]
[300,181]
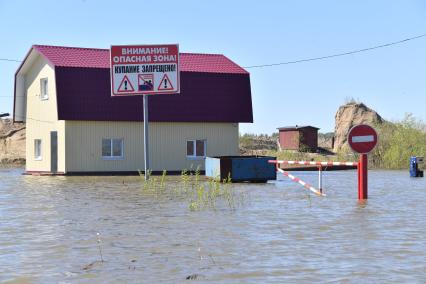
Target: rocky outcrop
[349,115]
[12,142]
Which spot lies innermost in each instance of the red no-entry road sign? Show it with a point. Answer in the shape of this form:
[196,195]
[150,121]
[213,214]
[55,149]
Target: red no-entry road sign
[362,138]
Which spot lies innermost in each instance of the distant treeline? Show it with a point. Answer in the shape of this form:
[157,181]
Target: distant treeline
[257,144]
[398,141]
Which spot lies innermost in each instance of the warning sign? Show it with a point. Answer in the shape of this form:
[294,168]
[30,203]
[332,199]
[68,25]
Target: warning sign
[165,83]
[144,69]
[125,86]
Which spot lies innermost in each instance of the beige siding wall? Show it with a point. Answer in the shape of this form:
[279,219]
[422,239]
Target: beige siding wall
[41,118]
[167,144]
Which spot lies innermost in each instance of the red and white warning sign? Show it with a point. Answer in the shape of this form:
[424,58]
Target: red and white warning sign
[144,69]
[165,83]
[362,138]
[125,85]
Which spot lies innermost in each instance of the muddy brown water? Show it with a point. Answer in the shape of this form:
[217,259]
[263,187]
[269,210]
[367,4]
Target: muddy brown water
[280,234]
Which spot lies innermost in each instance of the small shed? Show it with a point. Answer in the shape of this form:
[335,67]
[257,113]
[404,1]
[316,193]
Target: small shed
[300,138]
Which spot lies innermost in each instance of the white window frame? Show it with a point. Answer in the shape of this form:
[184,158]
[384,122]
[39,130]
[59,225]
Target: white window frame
[37,143]
[44,89]
[121,157]
[194,154]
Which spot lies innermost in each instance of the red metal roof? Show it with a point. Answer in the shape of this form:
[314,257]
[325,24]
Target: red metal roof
[99,58]
[213,89]
[212,63]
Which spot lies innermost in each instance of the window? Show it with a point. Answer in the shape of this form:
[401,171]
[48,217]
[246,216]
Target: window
[37,149]
[44,95]
[196,149]
[112,148]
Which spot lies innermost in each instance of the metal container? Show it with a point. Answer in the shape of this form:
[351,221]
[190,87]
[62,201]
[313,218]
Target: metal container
[241,168]
[416,166]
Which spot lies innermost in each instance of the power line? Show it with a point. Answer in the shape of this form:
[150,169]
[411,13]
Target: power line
[10,60]
[308,59]
[338,54]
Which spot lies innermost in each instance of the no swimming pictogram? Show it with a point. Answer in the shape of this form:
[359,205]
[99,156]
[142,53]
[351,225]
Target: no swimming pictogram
[165,84]
[125,86]
[146,82]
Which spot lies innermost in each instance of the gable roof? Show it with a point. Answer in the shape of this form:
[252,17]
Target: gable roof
[296,127]
[99,58]
[213,89]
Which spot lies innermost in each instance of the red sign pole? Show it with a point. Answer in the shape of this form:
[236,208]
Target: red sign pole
[363,177]
[362,139]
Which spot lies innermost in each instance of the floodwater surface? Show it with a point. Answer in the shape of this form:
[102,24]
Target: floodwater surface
[280,233]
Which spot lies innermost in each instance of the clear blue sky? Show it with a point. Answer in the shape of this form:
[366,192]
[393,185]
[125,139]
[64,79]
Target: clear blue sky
[390,80]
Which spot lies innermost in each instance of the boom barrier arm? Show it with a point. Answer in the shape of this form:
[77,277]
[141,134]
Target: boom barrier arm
[298,180]
[348,164]
[318,164]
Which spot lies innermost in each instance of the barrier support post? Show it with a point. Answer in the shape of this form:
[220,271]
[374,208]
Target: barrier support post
[363,177]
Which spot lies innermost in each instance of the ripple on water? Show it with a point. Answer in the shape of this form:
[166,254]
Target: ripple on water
[48,228]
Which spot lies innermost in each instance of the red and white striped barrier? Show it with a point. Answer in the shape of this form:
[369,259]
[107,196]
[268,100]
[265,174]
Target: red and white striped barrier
[318,191]
[298,180]
[350,164]
[362,139]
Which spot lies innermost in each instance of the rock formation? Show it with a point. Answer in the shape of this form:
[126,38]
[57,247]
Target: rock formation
[12,142]
[349,115]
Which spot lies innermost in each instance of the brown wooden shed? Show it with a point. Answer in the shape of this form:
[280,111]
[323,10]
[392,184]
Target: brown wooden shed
[299,138]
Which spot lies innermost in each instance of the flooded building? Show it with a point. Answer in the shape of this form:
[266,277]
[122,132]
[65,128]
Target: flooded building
[75,126]
[299,138]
